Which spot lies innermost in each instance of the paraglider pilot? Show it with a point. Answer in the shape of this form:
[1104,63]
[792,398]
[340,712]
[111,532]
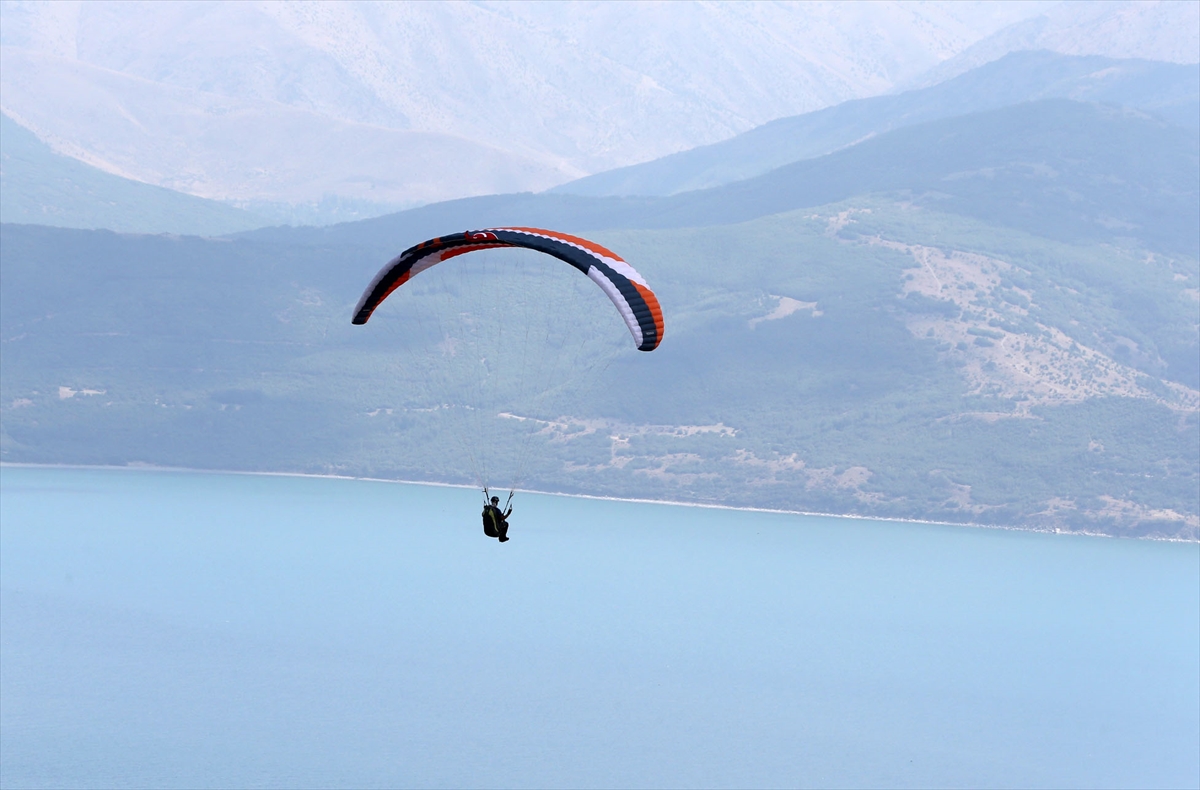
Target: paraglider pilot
[495,522]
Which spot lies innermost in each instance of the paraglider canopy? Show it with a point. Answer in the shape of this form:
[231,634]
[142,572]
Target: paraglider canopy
[626,288]
[491,355]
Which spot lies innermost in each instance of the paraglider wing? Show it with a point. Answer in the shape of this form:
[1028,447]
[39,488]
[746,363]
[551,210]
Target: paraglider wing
[624,286]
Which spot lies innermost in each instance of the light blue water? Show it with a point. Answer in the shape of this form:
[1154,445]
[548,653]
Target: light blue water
[171,629]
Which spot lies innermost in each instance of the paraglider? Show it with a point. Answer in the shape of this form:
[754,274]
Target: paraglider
[495,520]
[625,287]
[628,291]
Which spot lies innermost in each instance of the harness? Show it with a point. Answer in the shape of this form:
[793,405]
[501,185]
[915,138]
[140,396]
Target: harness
[487,499]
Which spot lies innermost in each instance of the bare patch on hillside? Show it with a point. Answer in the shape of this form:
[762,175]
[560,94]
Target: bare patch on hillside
[665,467]
[680,465]
[1040,365]
[786,306]
[1170,523]
[840,220]
[791,470]
[569,427]
[1126,511]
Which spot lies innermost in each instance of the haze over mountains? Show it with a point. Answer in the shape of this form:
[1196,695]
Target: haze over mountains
[1012,166]
[1158,30]
[1162,91]
[317,112]
[38,186]
[1166,90]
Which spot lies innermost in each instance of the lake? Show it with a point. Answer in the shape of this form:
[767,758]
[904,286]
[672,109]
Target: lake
[175,629]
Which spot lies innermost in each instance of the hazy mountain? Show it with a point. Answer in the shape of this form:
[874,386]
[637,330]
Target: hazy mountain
[1060,169]
[1064,170]
[41,187]
[245,150]
[400,103]
[1154,30]
[316,104]
[1168,90]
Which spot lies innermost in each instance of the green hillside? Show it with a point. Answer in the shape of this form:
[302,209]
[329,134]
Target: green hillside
[988,318]
[1168,91]
[871,356]
[38,186]
[1065,170]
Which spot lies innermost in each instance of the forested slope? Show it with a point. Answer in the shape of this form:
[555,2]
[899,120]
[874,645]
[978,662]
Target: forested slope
[827,359]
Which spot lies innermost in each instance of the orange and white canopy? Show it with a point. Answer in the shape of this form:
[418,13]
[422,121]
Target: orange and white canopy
[625,287]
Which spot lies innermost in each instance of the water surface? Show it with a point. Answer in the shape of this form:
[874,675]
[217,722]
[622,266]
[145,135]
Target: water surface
[187,630]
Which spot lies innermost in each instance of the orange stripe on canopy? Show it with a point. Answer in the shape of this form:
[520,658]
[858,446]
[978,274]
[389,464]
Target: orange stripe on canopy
[591,246]
[655,310]
[401,280]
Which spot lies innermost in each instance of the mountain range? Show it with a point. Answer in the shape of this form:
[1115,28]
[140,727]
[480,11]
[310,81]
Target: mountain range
[1167,90]
[1065,170]
[857,128]
[38,186]
[313,111]
[1157,30]
[985,317]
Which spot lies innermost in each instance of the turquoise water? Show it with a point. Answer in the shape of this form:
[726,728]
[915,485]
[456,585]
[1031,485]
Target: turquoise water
[187,630]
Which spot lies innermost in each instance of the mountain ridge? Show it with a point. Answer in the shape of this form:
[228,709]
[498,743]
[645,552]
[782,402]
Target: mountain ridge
[38,186]
[1160,88]
[989,149]
[538,94]
[1126,29]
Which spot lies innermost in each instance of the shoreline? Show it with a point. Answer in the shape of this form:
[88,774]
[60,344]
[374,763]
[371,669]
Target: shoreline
[671,503]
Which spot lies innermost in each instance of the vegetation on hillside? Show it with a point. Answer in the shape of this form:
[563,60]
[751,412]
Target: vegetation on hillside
[992,318]
[830,359]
